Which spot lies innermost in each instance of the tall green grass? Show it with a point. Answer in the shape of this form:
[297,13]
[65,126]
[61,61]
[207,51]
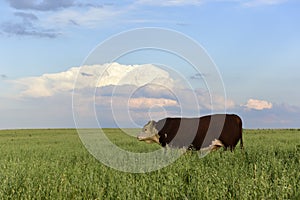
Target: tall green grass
[53,164]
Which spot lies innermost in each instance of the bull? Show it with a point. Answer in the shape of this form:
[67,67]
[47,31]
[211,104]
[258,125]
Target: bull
[211,131]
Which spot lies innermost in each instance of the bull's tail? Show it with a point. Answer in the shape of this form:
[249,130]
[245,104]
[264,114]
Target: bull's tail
[241,143]
[241,134]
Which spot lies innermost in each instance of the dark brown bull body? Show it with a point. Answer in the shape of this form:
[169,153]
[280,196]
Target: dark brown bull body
[197,133]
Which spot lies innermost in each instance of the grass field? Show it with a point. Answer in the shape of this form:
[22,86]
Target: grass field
[53,164]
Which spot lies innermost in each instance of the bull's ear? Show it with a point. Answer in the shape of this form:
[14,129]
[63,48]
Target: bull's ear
[152,122]
[153,126]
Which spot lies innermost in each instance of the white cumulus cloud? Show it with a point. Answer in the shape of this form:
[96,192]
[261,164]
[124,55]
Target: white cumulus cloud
[93,76]
[150,102]
[47,84]
[258,104]
[137,75]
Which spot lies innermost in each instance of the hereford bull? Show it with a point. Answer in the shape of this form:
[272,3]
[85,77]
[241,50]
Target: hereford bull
[211,131]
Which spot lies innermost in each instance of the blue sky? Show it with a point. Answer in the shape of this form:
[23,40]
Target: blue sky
[254,43]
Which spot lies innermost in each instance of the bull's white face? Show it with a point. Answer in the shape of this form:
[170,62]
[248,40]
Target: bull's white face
[149,133]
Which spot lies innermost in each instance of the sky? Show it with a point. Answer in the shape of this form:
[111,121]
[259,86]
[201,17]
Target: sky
[52,74]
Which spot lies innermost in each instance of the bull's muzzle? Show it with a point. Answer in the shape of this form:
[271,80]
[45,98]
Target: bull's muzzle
[140,137]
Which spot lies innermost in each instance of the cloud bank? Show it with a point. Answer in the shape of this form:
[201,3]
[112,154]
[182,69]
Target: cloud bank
[140,90]
[50,18]
[27,24]
[128,96]
[44,5]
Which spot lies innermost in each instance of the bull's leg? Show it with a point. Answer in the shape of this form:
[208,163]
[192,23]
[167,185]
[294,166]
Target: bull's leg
[191,147]
[241,143]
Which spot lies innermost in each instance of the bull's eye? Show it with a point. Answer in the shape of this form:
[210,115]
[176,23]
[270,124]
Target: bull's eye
[146,129]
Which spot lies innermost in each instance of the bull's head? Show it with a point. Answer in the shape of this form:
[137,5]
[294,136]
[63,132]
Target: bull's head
[149,133]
